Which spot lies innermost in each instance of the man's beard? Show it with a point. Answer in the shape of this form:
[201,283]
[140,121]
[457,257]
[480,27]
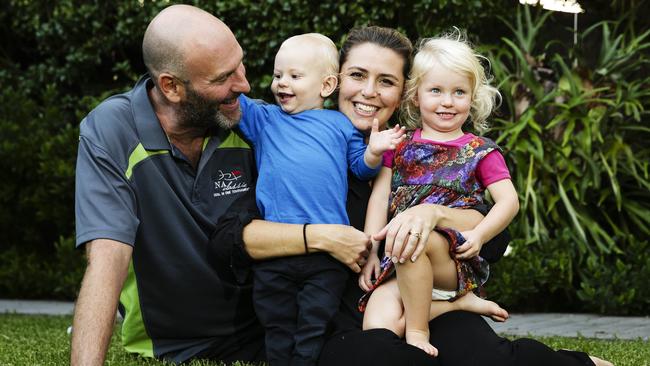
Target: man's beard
[199,112]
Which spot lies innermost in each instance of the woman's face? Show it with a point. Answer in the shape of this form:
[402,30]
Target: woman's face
[371,85]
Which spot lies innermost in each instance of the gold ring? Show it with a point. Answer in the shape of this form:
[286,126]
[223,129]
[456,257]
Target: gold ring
[417,235]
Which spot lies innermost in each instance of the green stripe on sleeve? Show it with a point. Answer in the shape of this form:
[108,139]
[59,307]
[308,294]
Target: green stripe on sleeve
[134,335]
[138,155]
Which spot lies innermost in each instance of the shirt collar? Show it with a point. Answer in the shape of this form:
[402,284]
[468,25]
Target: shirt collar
[151,134]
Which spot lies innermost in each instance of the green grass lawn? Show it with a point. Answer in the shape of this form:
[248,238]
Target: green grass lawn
[42,340]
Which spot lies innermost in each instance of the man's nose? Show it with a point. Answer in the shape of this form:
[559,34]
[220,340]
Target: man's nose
[240,83]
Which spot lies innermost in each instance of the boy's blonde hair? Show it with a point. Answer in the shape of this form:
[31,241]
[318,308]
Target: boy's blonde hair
[327,51]
[452,51]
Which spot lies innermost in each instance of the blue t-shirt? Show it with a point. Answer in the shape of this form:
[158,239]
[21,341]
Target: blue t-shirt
[302,161]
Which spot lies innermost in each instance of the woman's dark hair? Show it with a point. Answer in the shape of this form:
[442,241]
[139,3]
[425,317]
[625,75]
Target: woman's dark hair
[381,36]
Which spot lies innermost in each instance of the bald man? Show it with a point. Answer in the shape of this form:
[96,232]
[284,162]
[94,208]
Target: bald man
[159,170]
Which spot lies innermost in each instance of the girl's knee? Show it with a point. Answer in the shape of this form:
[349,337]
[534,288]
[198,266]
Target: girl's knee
[384,309]
[437,246]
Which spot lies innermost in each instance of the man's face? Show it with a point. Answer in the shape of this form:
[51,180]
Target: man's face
[200,112]
[216,77]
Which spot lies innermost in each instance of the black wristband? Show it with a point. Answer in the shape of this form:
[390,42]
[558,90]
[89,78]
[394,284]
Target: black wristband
[304,237]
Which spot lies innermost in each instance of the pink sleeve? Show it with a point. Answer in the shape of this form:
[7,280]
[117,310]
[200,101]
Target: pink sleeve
[491,169]
[387,158]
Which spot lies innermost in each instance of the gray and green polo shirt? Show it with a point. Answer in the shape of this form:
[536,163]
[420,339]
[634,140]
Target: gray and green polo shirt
[133,186]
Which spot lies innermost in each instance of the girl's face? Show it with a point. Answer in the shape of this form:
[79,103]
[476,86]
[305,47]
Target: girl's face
[444,98]
[371,85]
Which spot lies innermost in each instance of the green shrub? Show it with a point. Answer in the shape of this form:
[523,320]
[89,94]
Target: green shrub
[574,136]
[61,58]
[29,275]
[576,139]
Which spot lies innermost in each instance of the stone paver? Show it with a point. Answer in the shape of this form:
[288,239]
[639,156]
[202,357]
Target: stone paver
[36,307]
[574,325]
[553,324]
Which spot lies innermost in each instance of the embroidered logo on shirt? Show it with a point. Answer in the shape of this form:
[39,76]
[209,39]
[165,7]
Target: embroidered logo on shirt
[230,182]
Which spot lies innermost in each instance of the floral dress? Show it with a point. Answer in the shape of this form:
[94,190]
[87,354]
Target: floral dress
[427,172]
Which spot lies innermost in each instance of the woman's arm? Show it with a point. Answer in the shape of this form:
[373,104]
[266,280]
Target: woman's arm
[376,217]
[422,219]
[506,206]
[266,239]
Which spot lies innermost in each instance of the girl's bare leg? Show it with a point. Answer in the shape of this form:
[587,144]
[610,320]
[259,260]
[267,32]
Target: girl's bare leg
[472,303]
[415,282]
[385,310]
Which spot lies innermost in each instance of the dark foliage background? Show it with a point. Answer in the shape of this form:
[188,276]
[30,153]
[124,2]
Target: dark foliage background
[573,124]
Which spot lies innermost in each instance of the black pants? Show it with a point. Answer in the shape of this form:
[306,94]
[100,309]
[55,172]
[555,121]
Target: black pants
[294,299]
[462,339]
[247,346]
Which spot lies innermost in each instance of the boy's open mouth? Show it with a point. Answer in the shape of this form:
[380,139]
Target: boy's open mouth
[285,97]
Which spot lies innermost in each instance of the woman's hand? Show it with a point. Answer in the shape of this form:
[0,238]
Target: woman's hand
[369,271]
[472,245]
[345,243]
[407,233]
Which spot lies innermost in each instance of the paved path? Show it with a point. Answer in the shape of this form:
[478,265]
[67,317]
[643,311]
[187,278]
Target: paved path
[36,307]
[566,325]
[574,325]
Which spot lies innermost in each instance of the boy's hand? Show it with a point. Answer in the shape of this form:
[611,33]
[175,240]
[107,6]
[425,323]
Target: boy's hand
[471,247]
[369,271]
[379,142]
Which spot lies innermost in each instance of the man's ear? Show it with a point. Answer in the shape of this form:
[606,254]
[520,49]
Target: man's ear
[171,87]
[330,82]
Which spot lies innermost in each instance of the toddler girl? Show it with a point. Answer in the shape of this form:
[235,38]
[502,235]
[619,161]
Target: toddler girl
[440,164]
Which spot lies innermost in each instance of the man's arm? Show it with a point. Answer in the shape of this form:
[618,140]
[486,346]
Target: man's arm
[94,315]
[265,239]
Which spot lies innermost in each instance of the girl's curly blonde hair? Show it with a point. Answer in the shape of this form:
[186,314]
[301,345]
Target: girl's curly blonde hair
[452,51]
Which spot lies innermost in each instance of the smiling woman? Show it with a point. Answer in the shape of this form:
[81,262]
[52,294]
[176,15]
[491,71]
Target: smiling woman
[374,63]
[372,77]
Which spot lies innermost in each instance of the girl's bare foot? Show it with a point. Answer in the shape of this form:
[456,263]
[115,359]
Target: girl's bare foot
[420,340]
[599,362]
[472,303]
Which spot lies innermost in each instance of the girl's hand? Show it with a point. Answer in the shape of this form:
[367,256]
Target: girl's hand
[380,142]
[472,246]
[369,271]
[407,233]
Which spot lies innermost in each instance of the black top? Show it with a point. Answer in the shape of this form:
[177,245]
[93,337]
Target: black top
[461,338]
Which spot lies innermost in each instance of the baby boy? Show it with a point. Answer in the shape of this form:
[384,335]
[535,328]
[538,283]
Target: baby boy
[303,153]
